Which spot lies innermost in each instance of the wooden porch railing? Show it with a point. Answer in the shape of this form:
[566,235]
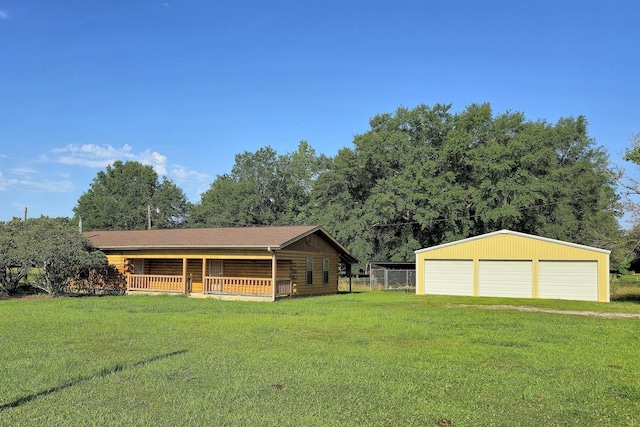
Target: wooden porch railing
[210,285]
[236,285]
[244,285]
[155,283]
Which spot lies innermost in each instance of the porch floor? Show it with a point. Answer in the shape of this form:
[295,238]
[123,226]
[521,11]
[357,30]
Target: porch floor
[222,297]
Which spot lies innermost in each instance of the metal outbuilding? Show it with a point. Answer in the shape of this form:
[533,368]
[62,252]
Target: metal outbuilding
[511,264]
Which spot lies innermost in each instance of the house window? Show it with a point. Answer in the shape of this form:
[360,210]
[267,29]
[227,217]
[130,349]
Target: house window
[137,266]
[325,271]
[216,267]
[309,271]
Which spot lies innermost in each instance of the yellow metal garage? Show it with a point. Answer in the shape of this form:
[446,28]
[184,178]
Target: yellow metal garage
[511,264]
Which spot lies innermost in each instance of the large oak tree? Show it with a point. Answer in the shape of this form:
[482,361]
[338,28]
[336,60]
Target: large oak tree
[426,176]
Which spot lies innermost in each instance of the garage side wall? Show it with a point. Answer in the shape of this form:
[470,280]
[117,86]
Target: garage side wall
[513,247]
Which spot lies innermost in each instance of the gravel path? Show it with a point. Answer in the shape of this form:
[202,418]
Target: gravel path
[606,315]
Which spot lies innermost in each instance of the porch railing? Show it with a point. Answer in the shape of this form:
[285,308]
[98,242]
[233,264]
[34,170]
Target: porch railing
[156,283]
[210,285]
[236,285]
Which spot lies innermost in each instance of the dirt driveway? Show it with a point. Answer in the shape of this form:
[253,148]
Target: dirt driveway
[606,315]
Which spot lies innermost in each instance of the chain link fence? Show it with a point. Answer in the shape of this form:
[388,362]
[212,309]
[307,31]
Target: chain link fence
[392,280]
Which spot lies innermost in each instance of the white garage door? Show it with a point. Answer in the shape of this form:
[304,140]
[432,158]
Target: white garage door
[505,279]
[448,277]
[577,280]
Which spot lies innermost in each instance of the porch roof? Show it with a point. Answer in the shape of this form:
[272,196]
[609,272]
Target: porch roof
[258,238]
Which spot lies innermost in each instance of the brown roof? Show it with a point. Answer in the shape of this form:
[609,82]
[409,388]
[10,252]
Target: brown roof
[219,238]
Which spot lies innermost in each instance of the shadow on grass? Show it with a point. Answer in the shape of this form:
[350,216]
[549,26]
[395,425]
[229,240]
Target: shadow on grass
[626,298]
[107,371]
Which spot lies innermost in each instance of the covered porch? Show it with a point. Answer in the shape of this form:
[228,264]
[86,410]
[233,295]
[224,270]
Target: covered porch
[260,276]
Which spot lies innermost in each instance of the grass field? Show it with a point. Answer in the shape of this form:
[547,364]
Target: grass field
[363,359]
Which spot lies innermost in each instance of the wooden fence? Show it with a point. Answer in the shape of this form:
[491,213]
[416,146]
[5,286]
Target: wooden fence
[284,287]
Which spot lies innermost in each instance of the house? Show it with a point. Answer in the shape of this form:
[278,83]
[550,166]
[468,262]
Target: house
[511,264]
[261,262]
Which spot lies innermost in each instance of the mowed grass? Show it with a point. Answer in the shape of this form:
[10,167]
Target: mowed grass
[365,359]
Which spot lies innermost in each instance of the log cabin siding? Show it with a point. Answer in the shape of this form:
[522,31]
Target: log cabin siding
[232,267]
[164,267]
[311,244]
[299,270]
[117,261]
[247,268]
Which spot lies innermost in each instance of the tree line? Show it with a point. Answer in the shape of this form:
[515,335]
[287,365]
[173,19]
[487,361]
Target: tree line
[418,177]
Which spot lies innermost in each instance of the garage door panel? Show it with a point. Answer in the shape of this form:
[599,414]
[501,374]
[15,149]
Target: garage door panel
[505,279]
[448,277]
[574,280]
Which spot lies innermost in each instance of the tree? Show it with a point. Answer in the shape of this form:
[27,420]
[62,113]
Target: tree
[58,253]
[122,196]
[169,206]
[14,267]
[51,252]
[263,188]
[630,186]
[427,176]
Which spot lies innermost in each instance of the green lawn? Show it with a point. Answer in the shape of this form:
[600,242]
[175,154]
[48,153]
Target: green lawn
[366,359]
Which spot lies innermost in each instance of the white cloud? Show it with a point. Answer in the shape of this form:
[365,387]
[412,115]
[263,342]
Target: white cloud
[100,156]
[181,174]
[92,155]
[5,183]
[50,186]
[52,180]
[192,182]
[28,179]
[22,171]
[155,159]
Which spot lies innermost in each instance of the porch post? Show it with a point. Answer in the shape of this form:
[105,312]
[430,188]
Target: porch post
[204,272]
[273,275]
[184,275]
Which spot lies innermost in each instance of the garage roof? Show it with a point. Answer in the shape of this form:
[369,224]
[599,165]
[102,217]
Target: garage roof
[514,233]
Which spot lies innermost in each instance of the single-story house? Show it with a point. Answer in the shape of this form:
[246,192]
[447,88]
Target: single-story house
[512,264]
[263,262]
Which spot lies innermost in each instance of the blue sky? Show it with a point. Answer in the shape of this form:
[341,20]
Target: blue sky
[185,85]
